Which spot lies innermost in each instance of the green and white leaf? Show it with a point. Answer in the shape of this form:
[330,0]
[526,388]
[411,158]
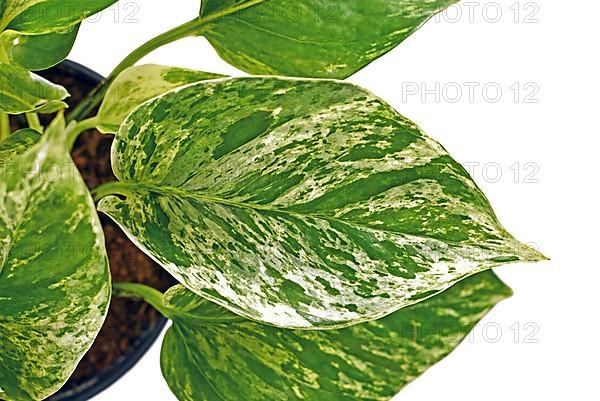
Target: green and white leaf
[22,91]
[310,38]
[299,203]
[17,143]
[219,361]
[138,84]
[37,52]
[47,16]
[54,276]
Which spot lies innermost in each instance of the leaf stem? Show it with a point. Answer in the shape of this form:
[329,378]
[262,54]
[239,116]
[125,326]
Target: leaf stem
[110,188]
[4,125]
[94,98]
[34,122]
[148,294]
[80,127]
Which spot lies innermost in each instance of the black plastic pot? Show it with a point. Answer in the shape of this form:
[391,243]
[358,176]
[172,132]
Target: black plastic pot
[83,391]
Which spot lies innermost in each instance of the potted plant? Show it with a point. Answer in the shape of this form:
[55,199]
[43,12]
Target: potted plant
[325,247]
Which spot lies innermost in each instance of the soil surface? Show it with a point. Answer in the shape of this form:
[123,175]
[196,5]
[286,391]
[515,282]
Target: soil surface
[128,321]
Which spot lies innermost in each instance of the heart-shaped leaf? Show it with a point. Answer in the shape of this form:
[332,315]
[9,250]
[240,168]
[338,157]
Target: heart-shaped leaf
[204,357]
[138,84]
[310,38]
[299,203]
[37,52]
[22,91]
[54,277]
[37,34]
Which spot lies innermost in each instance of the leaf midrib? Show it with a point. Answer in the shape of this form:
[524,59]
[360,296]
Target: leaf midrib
[127,186]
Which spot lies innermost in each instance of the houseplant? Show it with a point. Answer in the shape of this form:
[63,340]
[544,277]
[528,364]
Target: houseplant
[327,248]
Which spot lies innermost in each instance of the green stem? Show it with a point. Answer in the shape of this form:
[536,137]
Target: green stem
[148,294]
[94,98]
[110,188]
[190,28]
[34,122]
[4,125]
[155,298]
[80,127]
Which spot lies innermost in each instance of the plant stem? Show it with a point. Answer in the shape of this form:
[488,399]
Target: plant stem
[148,294]
[110,188]
[188,29]
[4,125]
[80,127]
[34,122]
[94,98]
[155,298]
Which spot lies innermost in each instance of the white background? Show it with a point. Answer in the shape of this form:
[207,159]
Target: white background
[556,208]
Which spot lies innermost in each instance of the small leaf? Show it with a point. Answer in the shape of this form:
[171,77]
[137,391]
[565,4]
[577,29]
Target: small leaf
[299,203]
[138,84]
[17,143]
[22,91]
[37,34]
[310,38]
[48,16]
[38,52]
[54,277]
[372,361]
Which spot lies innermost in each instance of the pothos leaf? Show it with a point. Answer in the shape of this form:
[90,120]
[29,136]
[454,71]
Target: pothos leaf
[138,84]
[37,34]
[310,38]
[54,277]
[17,143]
[229,361]
[47,16]
[299,203]
[22,91]
[37,52]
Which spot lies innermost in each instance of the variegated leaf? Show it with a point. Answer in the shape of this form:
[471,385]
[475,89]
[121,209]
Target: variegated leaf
[310,38]
[47,16]
[206,358]
[54,277]
[17,143]
[138,84]
[299,203]
[22,91]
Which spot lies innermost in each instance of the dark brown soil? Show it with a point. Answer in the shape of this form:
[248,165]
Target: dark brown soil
[128,320]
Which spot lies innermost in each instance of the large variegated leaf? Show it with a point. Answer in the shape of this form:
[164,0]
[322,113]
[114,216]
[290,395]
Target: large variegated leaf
[137,84]
[300,203]
[22,91]
[310,38]
[54,277]
[206,358]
